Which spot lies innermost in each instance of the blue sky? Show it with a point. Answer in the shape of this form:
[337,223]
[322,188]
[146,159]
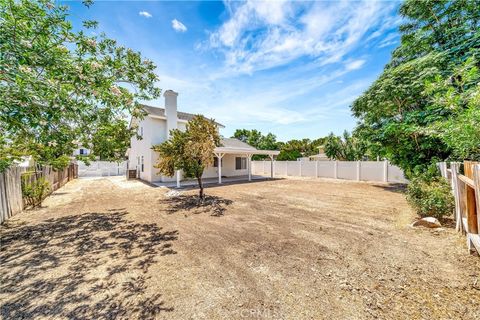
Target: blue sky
[290,68]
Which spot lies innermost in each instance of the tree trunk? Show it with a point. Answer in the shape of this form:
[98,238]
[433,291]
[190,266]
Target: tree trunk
[200,186]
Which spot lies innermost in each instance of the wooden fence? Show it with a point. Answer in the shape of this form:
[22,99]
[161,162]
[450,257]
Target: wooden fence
[466,190]
[11,200]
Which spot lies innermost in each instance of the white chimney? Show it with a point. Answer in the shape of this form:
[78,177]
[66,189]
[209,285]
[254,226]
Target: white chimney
[171,110]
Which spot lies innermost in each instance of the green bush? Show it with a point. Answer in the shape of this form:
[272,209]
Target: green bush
[34,191]
[431,197]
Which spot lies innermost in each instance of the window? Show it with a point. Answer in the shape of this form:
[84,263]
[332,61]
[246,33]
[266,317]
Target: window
[142,164]
[215,162]
[82,151]
[240,163]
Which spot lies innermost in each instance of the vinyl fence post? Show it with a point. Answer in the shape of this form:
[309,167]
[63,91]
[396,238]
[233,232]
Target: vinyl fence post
[385,170]
[300,166]
[316,169]
[358,170]
[271,167]
[335,169]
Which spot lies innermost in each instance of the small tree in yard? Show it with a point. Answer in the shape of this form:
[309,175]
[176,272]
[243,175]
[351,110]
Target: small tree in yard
[190,151]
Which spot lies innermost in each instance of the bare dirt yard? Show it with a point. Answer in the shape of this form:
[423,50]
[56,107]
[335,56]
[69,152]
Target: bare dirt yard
[281,249]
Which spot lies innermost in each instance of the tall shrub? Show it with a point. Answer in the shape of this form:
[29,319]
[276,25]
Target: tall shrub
[34,190]
[431,197]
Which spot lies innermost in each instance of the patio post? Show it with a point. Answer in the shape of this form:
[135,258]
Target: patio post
[219,157]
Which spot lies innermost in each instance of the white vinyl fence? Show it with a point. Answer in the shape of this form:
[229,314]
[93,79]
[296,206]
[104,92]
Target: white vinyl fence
[348,170]
[102,169]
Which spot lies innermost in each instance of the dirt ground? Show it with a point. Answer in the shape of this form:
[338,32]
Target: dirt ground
[281,249]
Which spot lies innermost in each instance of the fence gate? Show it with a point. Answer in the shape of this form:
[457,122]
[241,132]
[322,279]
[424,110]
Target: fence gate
[102,169]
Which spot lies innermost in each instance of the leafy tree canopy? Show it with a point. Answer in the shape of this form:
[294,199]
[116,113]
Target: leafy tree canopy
[411,113]
[290,150]
[190,151]
[256,139]
[345,147]
[61,89]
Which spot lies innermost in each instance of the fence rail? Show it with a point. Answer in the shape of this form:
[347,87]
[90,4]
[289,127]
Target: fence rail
[11,200]
[466,190]
[349,170]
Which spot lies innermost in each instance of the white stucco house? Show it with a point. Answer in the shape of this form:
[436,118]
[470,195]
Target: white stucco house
[234,156]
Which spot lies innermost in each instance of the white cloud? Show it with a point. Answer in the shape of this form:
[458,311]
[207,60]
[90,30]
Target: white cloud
[145,14]
[390,39]
[354,65]
[178,26]
[263,35]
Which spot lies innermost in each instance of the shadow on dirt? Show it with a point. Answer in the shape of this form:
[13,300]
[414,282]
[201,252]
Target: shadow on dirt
[213,205]
[91,265]
[393,187]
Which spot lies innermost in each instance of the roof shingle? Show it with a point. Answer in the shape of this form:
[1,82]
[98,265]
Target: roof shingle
[160,112]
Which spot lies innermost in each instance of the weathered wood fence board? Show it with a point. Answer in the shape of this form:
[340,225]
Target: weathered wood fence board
[11,200]
[466,190]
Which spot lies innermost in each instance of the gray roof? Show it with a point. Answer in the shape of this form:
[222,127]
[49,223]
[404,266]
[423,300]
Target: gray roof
[160,112]
[235,143]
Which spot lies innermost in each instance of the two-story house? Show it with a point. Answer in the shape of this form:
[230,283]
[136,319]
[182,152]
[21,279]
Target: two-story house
[232,158]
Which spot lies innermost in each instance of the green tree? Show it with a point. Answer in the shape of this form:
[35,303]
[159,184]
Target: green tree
[242,135]
[256,139]
[460,95]
[295,148]
[60,88]
[111,140]
[345,148]
[398,114]
[190,151]
[288,155]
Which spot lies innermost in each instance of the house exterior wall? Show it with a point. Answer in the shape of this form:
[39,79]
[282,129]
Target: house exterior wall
[228,168]
[155,132]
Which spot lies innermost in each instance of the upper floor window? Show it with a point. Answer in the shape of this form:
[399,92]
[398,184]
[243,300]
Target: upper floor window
[83,151]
